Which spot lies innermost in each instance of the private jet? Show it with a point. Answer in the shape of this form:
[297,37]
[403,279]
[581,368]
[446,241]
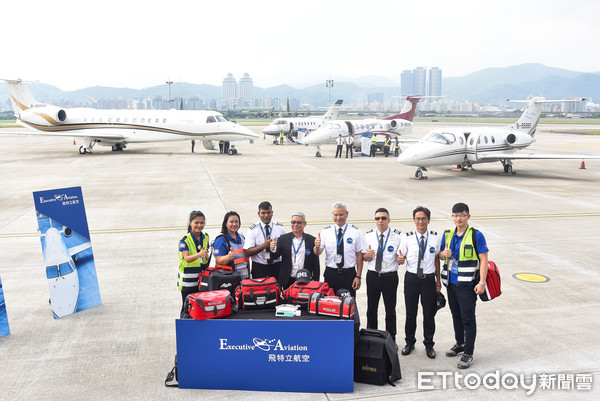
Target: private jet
[118,128]
[465,146]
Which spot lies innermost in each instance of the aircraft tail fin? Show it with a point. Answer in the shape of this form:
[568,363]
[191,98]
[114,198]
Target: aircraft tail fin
[532,112]
[408,108]
[333,111]
[20,96]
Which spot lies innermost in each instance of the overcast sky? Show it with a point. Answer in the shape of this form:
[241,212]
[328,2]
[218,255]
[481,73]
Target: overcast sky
[137,44]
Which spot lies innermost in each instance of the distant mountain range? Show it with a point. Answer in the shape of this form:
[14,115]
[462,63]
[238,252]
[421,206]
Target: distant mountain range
[488,86]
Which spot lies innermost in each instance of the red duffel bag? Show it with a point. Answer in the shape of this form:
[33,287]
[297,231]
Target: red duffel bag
[299,293]
[209,304]
[343,307]
[258,293]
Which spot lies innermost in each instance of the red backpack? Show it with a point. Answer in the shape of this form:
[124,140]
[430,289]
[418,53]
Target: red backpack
[299,294]
[492,283]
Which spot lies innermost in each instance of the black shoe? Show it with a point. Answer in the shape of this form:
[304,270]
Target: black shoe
[465,361]
[455,350]
[430,353]
[407,349]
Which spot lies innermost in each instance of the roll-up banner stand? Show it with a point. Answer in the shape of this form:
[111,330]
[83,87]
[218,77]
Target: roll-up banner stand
[67,250]
[4,329]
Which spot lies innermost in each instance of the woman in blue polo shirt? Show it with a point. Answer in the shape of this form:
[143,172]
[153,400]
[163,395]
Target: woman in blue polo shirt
[229,246]
[193,255]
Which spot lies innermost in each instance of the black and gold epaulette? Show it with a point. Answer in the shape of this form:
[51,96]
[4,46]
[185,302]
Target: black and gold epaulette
[325,228]
[408,234]
[396,231]
[433,232]
[252,226]
[352,225]
[370,231]
[279,224]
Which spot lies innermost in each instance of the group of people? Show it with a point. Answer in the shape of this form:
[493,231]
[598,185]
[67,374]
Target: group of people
[275,253]
[348,142]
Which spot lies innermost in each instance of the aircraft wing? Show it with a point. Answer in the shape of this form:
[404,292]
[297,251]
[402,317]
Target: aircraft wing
[96,133]
[79,248]
[532,156]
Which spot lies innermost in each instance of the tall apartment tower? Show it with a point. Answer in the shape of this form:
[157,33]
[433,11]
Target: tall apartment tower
[434,84]
[406,83]
[246,90]
[229,89]
[419,81]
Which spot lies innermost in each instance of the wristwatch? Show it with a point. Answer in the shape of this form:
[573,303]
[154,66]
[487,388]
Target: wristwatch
[482,283]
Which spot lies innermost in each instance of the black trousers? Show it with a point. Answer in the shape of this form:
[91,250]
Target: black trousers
[415,288]
[340,278]
[338,151]
[462,300]
[386,284]
[184,293]
[386,151]
[260,270]
[349,149]
[373,150]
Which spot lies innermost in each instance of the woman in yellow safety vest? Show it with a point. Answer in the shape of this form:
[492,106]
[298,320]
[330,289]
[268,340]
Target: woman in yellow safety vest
[229,246]
[193,255]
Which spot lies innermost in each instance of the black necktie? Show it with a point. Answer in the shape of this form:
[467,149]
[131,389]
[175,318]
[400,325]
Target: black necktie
[421,254]
[267,234]
[340,247]
[379,257]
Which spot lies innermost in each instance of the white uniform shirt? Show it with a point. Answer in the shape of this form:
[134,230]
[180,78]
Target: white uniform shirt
[390,250]
[298,258]
[409,247]
[339,140]
[353,242]
[256,235]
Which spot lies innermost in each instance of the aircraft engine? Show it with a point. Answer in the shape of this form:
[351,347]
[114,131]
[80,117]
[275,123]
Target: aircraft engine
[47,115]
[398,123]
[518,140]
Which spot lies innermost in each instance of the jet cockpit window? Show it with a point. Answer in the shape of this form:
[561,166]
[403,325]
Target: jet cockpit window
[65,268]
[279,122]
[328,126]
[221,119]
[211,119]
[450,137]
[438,138]
[51,271]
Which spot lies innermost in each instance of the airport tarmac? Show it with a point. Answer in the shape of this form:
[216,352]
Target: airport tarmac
[543,220]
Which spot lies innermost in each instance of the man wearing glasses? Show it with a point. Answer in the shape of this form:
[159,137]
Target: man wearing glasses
[296,251]
[465,253]
[258,243]
[419,249]
[381,247]
[343,244]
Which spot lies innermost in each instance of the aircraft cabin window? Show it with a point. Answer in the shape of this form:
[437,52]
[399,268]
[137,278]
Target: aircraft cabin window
[461,140]
[143,120]
[478,140]
[110,119]
[157,120]
[65,268]
[471,141]
[125,120]
[52,272]
[164,120]
[493,140]
[118,119]
[134,120]
[485,139]
[93,119]
[85,119]
[450,137]
[100,120]
[211,119]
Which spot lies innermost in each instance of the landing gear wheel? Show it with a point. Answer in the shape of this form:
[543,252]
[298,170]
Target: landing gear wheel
[82,150]
[318,154]
[231,151]
[115,147]
[419,173]
[508,168]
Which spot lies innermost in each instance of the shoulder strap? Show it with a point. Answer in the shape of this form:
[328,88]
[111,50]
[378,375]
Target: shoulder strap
[172,375]
[474,237]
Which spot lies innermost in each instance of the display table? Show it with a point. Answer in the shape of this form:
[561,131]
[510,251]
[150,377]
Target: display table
[254,350]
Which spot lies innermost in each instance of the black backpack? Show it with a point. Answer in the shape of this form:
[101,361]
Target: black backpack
[376,358]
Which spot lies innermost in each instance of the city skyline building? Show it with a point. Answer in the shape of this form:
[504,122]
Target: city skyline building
[229,89]
[246,89]
[434,82]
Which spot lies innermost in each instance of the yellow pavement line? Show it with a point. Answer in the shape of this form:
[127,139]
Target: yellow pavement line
[319,223]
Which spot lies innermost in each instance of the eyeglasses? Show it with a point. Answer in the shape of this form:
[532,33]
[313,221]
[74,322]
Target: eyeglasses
[421,219]
[384,218]
[296,222]
[456,216]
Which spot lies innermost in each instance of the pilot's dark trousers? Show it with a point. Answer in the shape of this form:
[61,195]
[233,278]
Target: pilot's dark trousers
[415,288]
[385,284]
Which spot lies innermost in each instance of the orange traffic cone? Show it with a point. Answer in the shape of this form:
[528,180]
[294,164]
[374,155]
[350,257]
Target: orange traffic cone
[74,142]
[582,165]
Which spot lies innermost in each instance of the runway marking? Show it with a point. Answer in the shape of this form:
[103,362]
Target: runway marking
[320,223]
[531,277]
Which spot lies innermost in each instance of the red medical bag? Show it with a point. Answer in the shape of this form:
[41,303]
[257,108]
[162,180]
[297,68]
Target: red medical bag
[209,304]
[258,293]
[342,307]
[492,283]
[299,294]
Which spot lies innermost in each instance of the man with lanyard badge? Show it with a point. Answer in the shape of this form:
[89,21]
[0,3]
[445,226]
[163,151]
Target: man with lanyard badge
[465,253]
[419,250]
[343,245]
[258,243]
[382,275]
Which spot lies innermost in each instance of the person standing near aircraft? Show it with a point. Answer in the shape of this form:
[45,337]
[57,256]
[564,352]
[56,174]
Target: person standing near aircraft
[193,255]
[381,247]
[387,144]
[296,251]
[340,144]
[396,147]
[373,145]
[349,145]
[464,275]
[422,280]
[193,144]
[229,246]
[281,137]
[343,245]
[258,243]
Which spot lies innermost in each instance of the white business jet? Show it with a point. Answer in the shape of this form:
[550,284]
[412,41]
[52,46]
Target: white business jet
[290,125]
[394,126]
[63,280]
[117,128]
[465,146]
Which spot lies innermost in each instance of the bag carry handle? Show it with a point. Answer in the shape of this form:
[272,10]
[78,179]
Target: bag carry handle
[172,375]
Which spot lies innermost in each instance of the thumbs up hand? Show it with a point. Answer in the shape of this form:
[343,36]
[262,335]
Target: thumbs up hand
[401,259]
[446,253]
[273,244]
[318,241]
[370,253]
[203,253]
